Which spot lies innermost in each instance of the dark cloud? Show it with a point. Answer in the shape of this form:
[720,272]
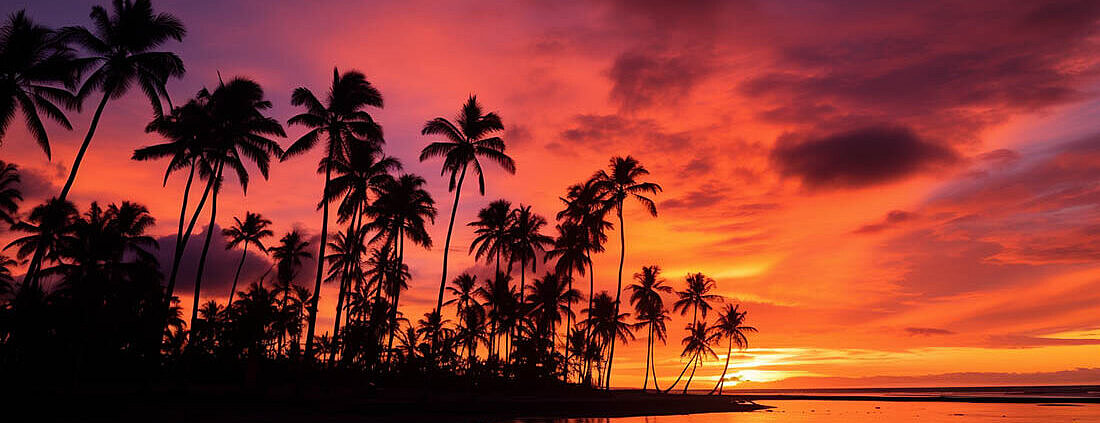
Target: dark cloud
[708,196]
[644,79]
[927,331]
[221,264]
[602,132]
[37,185]
[859,158]
[892,218]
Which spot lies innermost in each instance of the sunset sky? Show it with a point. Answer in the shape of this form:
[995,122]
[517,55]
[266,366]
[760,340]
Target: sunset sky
[898,192]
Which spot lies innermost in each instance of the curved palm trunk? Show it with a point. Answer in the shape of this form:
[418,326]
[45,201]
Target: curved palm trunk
[320,264]
[568,327]
[688,383]
[618,290]
[673,385]
[206,245]
[447,244]
[237,276]
[588,329]
[84,147]
[399,251]
[721,379]
[653,368]
[177,257]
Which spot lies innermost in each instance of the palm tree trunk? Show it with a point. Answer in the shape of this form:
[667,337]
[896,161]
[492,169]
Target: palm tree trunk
[206,244]
[320,263]
[568,326]
[618,290]
[653,368]
[237,276]
[399,251]
[447,244]
[84,147]
[588,329]
[177,257]
[718,386]
[648,351]
[344,282]
[688,383]
[673,385]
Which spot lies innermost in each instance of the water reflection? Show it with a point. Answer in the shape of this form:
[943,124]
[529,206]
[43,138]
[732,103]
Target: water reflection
[876,411]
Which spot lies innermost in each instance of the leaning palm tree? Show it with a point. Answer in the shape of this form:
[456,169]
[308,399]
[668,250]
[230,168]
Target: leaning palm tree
[491,236]
[731,326]
[47,225]
[120,43]
[242,133]
[342,119]
[469,139]
[697,349]
[252,230]
[10,196]
[34,59]
[616,187]
[649,308]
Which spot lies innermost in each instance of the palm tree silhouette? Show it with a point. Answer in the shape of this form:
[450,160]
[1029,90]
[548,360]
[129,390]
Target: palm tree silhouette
[491,236]
[10,196]
[584,207]
[289,255]
[551,299]
[616,187]
[121,43]
[502,299]
[649,310]
[360,170]
[250,231]
[467,142]
[343,120]
[35,59]
[696,296]
[189,131]
[526,240]
[605,325]
[6,280]
[570,248]
[697,348]
[47,225]
[241,133]
[731,326]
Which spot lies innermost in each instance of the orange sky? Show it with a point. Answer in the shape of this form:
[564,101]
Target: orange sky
[904,190]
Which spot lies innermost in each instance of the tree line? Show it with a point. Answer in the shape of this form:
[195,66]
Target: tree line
[95,298]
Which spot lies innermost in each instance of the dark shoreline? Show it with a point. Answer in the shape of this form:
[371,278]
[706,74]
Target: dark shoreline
[937,398]
[402,405]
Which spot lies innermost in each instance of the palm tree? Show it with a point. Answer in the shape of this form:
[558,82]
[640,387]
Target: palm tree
[33,60]
[464,290]
[571,250]
[251,231]
[241,133]
[360,171]
[526,240]
[616,187]
[9,192]
[584,208]
[120,43]
[697,348]
[649,309]
[503,302]
[491,236]
[289,255]
[48,225]
[343,120]
[189,131]
[731,326]
[551,299]
[467,141]
[696,296]
[605,324]
[6,280]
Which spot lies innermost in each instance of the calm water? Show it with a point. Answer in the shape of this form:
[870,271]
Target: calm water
[788,411]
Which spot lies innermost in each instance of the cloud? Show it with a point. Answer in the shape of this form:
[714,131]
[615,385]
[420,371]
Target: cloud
[606,131]
[859,158]
[892,218]
[643,79]
[927,331]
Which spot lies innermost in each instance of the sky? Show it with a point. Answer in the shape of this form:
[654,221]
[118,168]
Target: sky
[899,193]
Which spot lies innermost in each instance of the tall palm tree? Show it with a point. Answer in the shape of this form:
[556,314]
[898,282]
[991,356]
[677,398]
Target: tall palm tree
[289,256]
[526,240]
[468,140]
[605,325]
[463,289]
[10,196]
[189,131]
[360,170]
[731,326]
[616,187]
[649,309]
[35,59]
[242,134]
[551,299]
[121,44]
[343,120]
[252,230]
[570,248]
[491,236]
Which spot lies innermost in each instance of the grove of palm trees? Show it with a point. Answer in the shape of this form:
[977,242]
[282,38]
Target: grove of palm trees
[84,298]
